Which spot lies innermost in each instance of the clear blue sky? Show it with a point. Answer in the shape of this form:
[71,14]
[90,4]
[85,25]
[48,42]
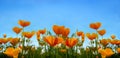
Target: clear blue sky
[75,14]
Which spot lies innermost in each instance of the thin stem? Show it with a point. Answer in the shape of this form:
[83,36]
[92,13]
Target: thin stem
[96,43]
[23,42]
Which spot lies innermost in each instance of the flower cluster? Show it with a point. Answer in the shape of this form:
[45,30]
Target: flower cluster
[59,45]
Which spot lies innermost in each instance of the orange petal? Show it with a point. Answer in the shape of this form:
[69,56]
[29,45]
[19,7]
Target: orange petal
[17,30]
[118,50]
[71,42]
[66,32]
[113,36]
[50,40]
[98,25]
[42,31]
[95,26]
[58,29]
[101,32]
[60,40]
[79,33]
[14,41]
[28,34]
[91,36]
[9,51]
[23,23]
[104,42]
[92,25]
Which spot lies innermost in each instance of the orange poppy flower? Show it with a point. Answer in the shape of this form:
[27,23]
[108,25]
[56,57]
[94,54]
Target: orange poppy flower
[14,41]
[61,30]
[113,41]
[17,30]
[51,40]
[104,52]
[3,40]
[118,50]
[23,23]
[91,36]
[12,52]
[28,34]
[102,32]
[58,29]
[4,35]
[70,42]
[118,42]
[95,25]
[60,40]
[42,31]
[104,42]
[113,36]
[79,33]
[66,32]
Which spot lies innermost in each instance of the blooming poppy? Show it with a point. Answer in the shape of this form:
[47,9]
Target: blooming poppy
[51,40]
[13,52]
[61,30]
[4,35]
[70,42]
[3,40]
[65,32]
[95,25]
[28,34]
[58,29]
[60,40]
[91,36]
[101,32]
[14,41]
[42,31]
[110,52]
[9,51]
[17,30]
[118,50]
[104,42]
[79,33]
[113,36]
[104,52]
[23,23]
[114,41]
[118,42]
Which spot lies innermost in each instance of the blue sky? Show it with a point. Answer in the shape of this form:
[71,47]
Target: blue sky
[75,14]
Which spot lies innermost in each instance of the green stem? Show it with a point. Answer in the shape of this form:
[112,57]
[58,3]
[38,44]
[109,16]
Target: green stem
[96,43]
[66,53]
[23,42]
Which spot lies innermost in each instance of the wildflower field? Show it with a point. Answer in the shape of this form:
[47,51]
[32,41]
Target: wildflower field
[59,45]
